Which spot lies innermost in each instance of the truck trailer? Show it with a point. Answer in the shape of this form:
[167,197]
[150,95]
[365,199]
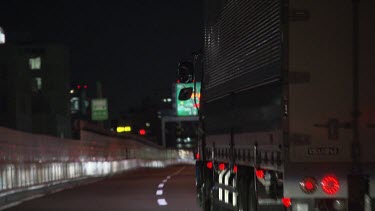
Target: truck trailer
[287,105]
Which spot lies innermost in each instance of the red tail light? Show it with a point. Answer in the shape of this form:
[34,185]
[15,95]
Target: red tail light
[221,166]
[287,202]
[209,164]
[330,184]
[308,185]
[259,173]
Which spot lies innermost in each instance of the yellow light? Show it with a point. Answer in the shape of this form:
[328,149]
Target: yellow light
[198,96]
[122,129]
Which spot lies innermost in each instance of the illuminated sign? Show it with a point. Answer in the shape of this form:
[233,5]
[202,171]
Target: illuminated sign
[121,129]
[74,105]
[188,107]
[99,109]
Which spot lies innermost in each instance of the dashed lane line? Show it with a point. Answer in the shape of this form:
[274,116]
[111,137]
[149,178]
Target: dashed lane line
[162,202]
[159,192]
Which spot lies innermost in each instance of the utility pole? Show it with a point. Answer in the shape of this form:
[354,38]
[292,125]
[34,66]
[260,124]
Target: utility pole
[357,183]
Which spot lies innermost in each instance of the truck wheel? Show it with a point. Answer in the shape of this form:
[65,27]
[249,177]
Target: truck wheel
[252,200]
[247,200]
[246,192]
[242,184]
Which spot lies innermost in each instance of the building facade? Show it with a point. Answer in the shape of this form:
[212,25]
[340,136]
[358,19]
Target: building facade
[34,88]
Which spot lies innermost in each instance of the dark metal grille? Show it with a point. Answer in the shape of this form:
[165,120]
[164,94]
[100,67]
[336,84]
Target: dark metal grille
[242,45]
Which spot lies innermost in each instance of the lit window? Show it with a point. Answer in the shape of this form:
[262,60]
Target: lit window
[35,63]
[74,105]
[37,84]
[2,36]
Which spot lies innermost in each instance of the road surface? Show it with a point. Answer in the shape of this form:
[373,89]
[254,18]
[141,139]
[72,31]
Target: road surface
[171,188]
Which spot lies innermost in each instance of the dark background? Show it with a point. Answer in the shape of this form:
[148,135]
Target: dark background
[132,47]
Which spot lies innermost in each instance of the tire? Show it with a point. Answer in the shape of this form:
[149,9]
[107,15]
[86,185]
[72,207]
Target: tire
[246,191]
[206,191]
[242,184]
[252,199]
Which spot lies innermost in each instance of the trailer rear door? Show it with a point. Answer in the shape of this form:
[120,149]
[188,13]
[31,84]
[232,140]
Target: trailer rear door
[320,81]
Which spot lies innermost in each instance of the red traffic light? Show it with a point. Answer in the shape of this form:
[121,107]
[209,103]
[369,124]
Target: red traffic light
[142,132]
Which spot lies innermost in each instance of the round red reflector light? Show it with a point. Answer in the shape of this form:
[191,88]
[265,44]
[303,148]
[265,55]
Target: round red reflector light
[209,165]
[198,156]
[221,166]
[287,202]
[308,185]
[330,184]
[259,173]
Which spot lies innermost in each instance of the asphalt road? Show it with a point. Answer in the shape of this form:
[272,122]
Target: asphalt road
[171,188]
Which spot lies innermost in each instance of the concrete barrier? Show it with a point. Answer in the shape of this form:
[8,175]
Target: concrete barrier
[33,165]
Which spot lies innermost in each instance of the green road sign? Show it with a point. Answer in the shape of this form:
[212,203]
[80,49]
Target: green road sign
[188,107]
[99,109]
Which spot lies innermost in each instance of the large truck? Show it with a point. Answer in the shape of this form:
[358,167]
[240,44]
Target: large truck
[287,105]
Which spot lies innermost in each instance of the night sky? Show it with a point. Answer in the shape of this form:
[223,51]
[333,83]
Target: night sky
[133,47]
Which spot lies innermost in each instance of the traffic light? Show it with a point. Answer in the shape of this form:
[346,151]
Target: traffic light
[142,132]
[185,72]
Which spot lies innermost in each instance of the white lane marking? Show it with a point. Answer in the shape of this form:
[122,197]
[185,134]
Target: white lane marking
[159,192]
[162,202]
[179,171]
[21,201]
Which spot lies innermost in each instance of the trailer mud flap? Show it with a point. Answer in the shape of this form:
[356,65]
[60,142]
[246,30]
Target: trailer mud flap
[223,203]
[224,193]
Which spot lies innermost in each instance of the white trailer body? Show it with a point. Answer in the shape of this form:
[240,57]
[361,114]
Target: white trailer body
[289,93]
